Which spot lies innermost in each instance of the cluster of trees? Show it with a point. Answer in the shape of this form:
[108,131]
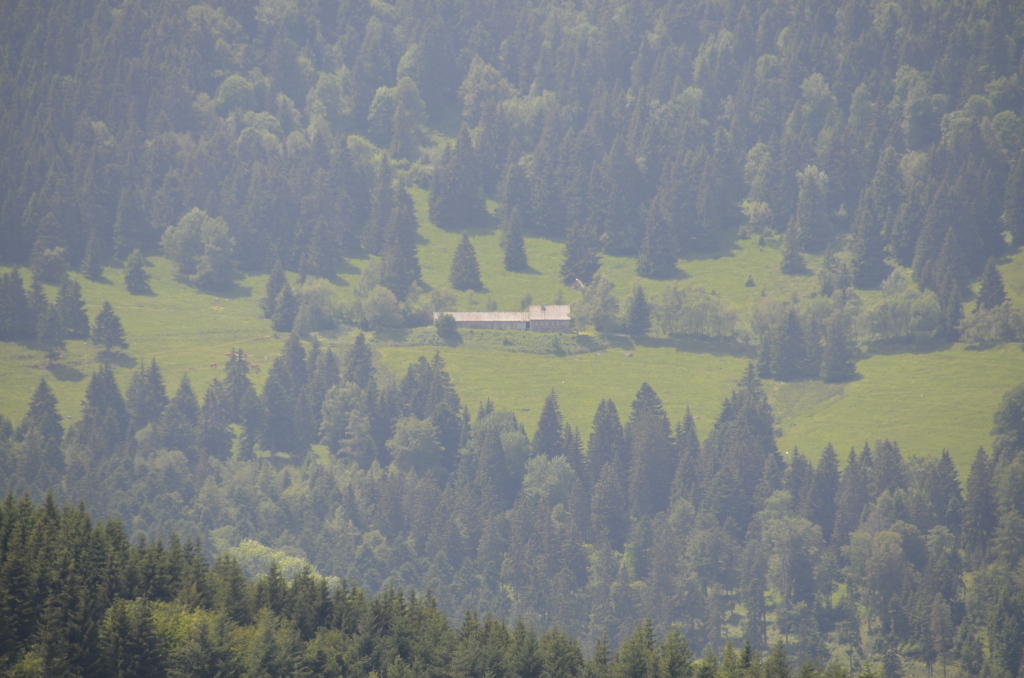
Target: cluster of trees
[29,315]
[718,537]
[287,131]
[80,599]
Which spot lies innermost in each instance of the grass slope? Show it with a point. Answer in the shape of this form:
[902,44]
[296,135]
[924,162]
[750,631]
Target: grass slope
[926,401]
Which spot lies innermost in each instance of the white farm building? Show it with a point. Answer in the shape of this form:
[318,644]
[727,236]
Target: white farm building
[537,319]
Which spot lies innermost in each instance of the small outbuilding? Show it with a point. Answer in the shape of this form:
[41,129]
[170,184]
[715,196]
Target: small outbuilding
[537,319]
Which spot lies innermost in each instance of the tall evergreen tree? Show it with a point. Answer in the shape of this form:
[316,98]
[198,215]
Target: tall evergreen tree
[638,313]
[657,257]
[512,243]
[456,199]
[465,271]
[136,279]
[991,293]
[401,266]
[357,366]
[50,334]
[92,260]
[286,308]
[71,309]
[580,255]
[107,330]
[548,438]
[820,504]
[837,357]
[792,261]
[16,321]
[275,283]
[607,442]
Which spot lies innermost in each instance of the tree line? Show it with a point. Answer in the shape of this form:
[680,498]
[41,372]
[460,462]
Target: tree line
[725,537]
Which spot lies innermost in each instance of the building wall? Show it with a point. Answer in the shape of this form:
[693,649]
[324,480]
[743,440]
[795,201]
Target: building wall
[550,326]
[492,325]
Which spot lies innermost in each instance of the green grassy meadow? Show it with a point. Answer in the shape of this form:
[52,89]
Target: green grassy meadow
[927,401]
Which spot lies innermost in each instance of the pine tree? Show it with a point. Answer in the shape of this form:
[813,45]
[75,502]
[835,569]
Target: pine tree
[837,358]
[382,202]
[580,254]
[979,517]
[657,257]
[456,200]
[512,243]
[400,264]
[548,438]
[792,261]
[638,314]
[811,220]
[607,443]
[991,293]
[465,271]
[107,330]
[868,249]
[42,415]
[1013,205]
[820,506]
[71,309]
[136,278]
[50,334]
[275,283]
[286,308]
[357,366]
[92,260]
[16,321]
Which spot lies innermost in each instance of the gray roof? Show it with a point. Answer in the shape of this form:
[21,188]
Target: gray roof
[488,316]
[549,313]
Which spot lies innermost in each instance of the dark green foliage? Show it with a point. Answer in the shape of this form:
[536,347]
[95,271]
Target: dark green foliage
[107,330]
[136,278]
[837,360]
[71,310]
[275,284]
[357,367]
[92,260]
[50,334]
[465,271]
[286,307]
[548,439]
[991,293]
[512,243]
[446,329]
[16,320]
[657,257]
[146,395]
[638,314]
[581,259]
[792,261]
[456,199]
[1008,425]
[401,266]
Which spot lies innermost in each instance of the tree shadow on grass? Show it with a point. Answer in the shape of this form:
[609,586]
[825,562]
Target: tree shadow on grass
[117,358]
[898,348]
[62,372]
[715,347]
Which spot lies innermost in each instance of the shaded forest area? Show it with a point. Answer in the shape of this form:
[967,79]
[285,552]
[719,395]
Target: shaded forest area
[714,539]
[239,135]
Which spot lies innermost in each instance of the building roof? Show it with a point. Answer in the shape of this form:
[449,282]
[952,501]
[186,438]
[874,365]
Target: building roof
[549,313]
[488,316]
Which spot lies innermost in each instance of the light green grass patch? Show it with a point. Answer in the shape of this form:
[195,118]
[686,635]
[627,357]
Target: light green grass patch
[924,401]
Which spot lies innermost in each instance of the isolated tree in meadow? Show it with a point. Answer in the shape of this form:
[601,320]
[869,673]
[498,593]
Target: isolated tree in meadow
[136,278]
[286,307]
[107,330]
[465,272]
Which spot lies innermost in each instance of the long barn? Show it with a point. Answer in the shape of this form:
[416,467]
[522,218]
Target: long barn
[537,319]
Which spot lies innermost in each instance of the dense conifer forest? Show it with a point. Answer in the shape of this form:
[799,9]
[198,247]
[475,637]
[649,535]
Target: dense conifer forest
[283,137]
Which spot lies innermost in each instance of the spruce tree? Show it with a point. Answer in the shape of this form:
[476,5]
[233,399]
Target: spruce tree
[399,262]
[456,199]
[548,438]
[991,293]
[50,334]
[512,243]
[792,261]
[465,271]
[638,313]
[71,309]
[107,330]
[868,249]
[42,414]
[580,256]
[811,219]
[657,257]
[286,307]
[382,202]
[820,505]
[136,278]
[92,260]
[275,283]
[837,357]
[357,367]
[16,321]
[979,515]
